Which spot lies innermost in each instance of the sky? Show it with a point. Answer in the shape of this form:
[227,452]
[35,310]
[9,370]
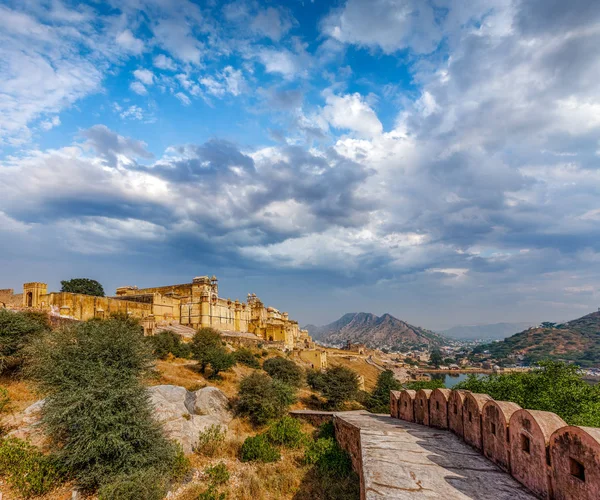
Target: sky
[435,159]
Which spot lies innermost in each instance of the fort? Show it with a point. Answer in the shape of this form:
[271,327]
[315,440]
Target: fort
[193,305]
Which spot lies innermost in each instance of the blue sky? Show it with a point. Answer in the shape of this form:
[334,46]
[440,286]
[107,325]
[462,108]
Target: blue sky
[434,159]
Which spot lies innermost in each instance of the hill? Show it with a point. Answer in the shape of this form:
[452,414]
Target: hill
[577,341]
[379,332]
[495,331]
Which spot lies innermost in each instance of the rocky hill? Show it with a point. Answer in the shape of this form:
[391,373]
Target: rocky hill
[495,331]
[577,340]
[375,331]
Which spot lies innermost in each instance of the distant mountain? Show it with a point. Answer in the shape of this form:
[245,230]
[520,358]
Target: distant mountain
[375,331]
[495,331]
[577,341]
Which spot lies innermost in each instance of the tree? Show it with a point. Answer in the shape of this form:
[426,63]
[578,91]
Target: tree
[17,330]
[379,400]
[85,286]
[262,398]
[285,370]
[435,358]
[340,384]
[554,386]
[97,412]
[205,342]
[167,342]
[220,360]
[246,357]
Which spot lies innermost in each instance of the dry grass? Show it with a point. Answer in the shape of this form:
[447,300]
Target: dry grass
[21,393]
[360,366]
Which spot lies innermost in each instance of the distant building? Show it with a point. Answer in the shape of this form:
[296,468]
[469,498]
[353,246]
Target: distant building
[316,357]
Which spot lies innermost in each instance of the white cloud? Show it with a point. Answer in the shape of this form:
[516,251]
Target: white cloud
[129,42]
[138,88]
[163,62]
[183,98]
[144,75]
[351,112]
[283,62]
[49,124]
[228,81]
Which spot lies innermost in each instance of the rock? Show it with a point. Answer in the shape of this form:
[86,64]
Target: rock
[26,424]
[212,401]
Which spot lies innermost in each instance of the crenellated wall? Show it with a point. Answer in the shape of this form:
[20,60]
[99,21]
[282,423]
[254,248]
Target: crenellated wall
[550,458]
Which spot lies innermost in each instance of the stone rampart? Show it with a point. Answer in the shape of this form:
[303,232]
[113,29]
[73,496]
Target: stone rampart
[550,458]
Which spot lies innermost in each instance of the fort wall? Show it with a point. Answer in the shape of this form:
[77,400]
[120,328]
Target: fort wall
[551,459]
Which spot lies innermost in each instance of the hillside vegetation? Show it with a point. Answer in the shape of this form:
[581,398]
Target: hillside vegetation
[577,341]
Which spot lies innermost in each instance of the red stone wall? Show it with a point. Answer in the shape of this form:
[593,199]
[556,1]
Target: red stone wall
[348,437]
[455,412]
[395,404]
[529,432]
[472,408]
[438,408]
[494,425]
[422,406]
[575,458]
[406,411]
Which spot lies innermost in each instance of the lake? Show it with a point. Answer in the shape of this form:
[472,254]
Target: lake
[451,379]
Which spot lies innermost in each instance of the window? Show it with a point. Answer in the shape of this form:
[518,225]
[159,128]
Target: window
[470,417]
[493,426]
[455,409]
[577,469]
[437,405]
[525,444]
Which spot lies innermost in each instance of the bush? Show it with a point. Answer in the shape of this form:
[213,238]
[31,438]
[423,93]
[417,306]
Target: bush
[27,469]
[340,385]
[98,413]
[285,370]
[262,399]
[167,342]
[286,432]
[82,285]
[245,357]
[217,474]
[220,360]
[210,441]
[211,494]
[205,341]
[379,399]
[329,459]
[17,330]
[142,485]
[259,449]
[315,380]
[4,400]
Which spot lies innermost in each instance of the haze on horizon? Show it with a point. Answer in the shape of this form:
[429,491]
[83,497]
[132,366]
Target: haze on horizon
[437,160]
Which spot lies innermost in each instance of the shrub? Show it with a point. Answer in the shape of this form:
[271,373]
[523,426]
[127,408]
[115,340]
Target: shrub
[211,494]
[210,441]
[217,474]
[329,459]
[315,379]
[98,413]
[220,360]
[285,370]
[246,357]
[205,341]
[27,469]
[166,342]
[262,399]
[85,286]
[286,432]
[340,385]
[17,330]
[379,399]
[259,449]
[4,400]
[141,485]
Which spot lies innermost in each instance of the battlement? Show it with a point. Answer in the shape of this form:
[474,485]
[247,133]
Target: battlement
[547,456]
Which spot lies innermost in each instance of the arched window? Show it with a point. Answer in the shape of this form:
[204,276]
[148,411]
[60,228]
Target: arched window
[29,299]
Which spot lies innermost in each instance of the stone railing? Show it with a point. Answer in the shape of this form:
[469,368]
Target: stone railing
[550,458]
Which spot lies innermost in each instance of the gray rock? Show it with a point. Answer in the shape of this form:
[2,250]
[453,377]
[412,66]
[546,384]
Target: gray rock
[212,401]
[26,424]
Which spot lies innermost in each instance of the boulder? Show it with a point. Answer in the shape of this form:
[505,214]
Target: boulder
[25,425]
[212,401]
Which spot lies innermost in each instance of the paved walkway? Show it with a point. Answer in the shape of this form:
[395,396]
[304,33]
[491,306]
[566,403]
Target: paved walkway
[402,460]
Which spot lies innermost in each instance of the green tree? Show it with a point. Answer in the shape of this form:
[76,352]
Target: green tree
[246,357]
[285,370]
[262,398]
[205,342]
[220,360]
[340,384]
[553,386]
[379,400]
[167,342]
[97,411]
[435,358]
[17,330]
[85,286]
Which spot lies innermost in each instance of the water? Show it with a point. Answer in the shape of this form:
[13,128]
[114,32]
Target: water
[449,379]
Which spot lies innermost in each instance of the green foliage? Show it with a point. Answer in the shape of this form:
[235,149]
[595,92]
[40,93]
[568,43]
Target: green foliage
[315,379]
[17,329]
[340,384]
[328,457]
[259,449]
[245,356]
[207,349]
[146,484]
[554,386]
[262,398]
[211,494]
[167,342]
[326,430]
[379,400]
[27,469]
[285,370]
[286,432]
[434,383]
[435,358]
[97,412]
[217,474]
[4,400]
[82,285]
[210,441]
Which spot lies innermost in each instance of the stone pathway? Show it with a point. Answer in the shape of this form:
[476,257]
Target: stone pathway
[402,460]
